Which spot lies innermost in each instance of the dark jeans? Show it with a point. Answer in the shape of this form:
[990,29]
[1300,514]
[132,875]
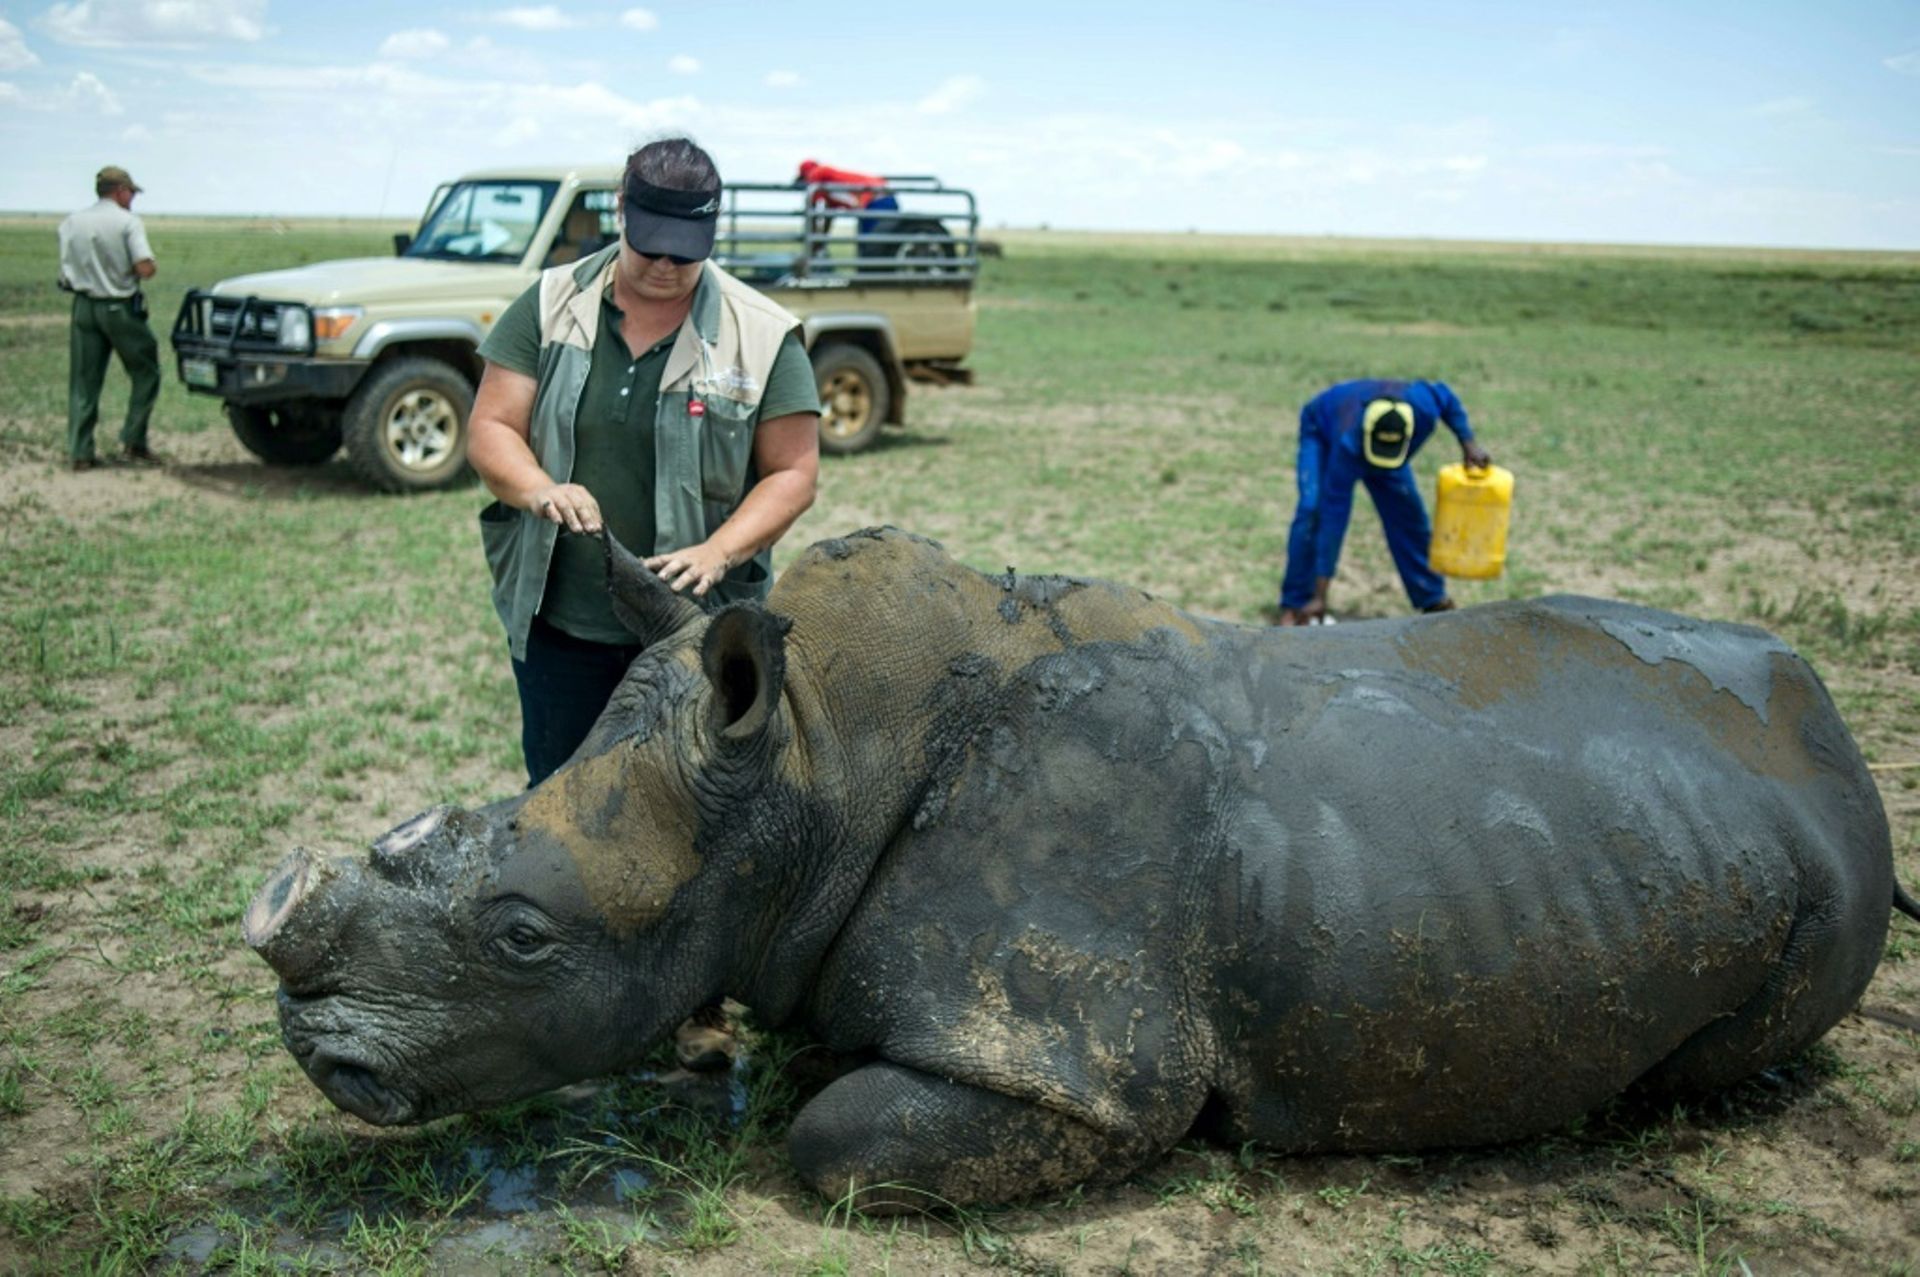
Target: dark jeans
[564,684]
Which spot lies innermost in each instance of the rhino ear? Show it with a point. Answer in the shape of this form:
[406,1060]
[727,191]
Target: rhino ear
[642,600]
[745,658]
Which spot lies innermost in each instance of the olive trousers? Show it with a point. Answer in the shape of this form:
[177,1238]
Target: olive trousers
[103,327]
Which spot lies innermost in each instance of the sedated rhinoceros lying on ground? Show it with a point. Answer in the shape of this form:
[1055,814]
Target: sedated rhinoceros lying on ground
[1071,869]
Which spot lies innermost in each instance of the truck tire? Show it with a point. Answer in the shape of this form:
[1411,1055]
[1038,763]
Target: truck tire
[854,396]
[933,239]
[288,435]
[406,426]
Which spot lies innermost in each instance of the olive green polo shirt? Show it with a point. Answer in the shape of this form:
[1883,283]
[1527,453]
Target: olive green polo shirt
[613,449]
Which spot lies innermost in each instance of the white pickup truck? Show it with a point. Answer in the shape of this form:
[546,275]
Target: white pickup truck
[379,354]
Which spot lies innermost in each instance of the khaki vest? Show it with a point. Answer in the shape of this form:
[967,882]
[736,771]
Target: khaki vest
[703,465]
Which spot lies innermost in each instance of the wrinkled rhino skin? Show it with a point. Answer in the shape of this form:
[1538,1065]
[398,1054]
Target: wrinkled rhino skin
[1067,866]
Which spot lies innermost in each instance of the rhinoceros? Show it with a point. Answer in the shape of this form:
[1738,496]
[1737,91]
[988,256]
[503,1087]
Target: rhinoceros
[1071,873]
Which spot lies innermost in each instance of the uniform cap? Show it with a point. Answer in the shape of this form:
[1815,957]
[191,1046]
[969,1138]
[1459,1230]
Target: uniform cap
[114,175]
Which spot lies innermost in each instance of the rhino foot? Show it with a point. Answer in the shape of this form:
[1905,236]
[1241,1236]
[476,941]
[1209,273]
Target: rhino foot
[886,1139]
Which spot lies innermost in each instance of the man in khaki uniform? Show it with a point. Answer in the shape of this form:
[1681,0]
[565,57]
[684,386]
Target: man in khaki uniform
[104,256]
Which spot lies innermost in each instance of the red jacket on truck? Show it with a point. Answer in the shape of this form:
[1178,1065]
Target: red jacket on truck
[813,171]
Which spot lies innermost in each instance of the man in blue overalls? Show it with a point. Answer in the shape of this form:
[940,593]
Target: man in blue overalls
[1367,431]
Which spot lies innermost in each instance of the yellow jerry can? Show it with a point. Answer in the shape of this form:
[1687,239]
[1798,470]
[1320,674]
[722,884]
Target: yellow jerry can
[1470,521]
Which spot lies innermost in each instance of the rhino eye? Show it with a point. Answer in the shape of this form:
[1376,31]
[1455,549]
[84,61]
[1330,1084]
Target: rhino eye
[521,941]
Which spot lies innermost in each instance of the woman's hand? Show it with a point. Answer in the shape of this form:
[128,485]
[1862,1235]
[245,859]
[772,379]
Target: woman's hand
[700,567]
[569,505]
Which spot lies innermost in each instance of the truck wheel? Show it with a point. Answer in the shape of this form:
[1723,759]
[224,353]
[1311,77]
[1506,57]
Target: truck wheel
[853,397]
[406,426]
[934,241]
[290,435]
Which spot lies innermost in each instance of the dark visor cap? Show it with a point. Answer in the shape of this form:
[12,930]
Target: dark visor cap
[667,223]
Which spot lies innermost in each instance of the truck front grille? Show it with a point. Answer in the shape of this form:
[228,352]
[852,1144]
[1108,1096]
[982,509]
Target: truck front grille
[231,318]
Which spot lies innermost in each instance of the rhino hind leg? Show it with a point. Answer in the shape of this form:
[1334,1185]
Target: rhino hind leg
[1807,991]
[893,1138]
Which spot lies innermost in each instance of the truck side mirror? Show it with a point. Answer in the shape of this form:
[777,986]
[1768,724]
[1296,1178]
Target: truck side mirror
[402,241]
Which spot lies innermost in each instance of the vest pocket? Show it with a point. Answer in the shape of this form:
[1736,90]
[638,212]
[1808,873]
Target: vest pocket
[726,450]
[500,537]
[747,581]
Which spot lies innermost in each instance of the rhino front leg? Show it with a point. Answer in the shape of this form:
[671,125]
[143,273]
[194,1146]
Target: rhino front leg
[900,1139]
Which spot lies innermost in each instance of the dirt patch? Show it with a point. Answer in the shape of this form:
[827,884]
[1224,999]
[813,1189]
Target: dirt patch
[210,465]
[1411,328]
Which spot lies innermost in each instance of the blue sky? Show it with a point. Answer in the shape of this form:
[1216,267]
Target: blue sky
[1753,123]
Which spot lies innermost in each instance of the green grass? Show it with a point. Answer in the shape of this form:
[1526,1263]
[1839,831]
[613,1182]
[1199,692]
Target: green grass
[229,661]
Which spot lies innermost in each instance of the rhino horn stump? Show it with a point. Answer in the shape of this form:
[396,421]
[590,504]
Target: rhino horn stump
[296,916]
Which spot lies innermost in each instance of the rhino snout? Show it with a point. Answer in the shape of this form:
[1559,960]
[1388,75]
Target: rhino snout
[297,915]
[357,1089]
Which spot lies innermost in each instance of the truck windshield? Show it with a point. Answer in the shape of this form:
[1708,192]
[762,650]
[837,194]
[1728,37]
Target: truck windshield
[484,222]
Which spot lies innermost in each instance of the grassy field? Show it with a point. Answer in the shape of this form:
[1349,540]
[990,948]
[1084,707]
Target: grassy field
[204,666]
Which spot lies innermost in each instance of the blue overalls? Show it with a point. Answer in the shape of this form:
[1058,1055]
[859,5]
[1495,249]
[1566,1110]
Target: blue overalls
[1334,448]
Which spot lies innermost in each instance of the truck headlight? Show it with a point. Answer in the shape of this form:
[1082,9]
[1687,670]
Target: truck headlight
[295,328]
[333,321]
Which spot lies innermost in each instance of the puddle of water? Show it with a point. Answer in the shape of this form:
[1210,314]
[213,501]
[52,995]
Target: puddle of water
[508,1224]
[323,1256]
[193,1248]
[497,1246]
[194,1245]
[512,1190]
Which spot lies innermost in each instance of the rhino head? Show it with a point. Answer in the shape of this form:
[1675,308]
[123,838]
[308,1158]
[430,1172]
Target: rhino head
[475,957]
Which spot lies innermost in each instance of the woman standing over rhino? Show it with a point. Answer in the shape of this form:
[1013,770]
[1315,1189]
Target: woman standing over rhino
[645,390]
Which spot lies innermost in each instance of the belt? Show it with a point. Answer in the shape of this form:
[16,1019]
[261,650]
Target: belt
[98,297]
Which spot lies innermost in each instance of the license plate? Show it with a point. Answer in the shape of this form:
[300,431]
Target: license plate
[200,372]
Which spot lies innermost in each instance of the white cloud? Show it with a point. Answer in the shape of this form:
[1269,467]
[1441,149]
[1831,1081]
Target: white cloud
[87,93]
[1907,63]
[14,53]
[114,23]
[513,61]
[784,80]
[1189,160]
[84,95]
[395,90]
[640,20]
[954,92]
[419,43]
[136,133]
[682,64]
[544,17]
